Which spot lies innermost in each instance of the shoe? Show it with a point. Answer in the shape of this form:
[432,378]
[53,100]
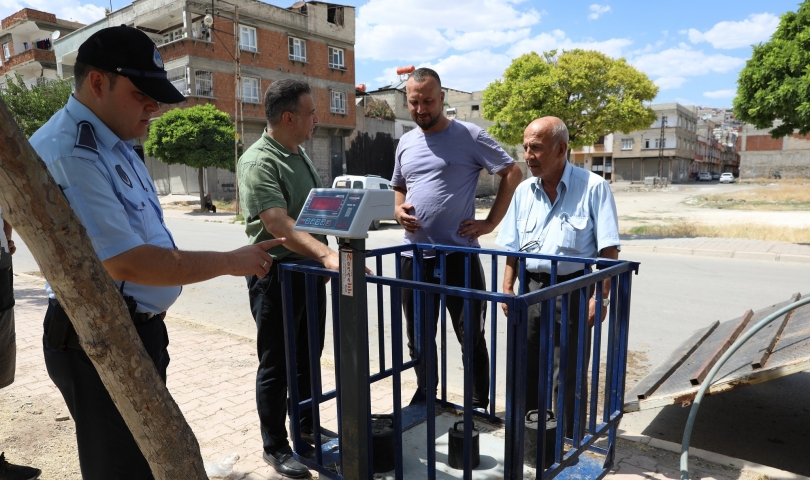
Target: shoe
[16,472]
[309,437]
[481,410]
[284,463]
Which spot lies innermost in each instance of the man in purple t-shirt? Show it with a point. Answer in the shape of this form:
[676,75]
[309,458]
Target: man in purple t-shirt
[435,176]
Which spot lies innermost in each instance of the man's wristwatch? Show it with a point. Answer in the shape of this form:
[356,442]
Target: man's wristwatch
[605,301]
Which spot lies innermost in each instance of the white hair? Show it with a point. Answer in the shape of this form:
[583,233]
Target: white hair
[559,133]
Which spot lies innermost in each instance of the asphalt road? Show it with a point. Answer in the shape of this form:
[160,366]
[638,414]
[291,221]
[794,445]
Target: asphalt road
[672,296]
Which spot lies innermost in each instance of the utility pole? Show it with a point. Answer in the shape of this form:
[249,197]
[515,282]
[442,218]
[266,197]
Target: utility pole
[237,75]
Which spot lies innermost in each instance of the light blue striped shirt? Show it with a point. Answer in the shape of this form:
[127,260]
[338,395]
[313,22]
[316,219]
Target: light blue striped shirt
[580,223]
[110,191]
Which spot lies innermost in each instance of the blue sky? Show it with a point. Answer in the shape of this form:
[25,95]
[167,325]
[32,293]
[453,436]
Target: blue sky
[692,49]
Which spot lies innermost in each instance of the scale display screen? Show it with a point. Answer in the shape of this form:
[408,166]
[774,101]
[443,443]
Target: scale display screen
[344,212]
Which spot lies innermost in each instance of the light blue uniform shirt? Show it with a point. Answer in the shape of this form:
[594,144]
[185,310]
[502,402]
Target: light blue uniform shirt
[580,223]
[109,189]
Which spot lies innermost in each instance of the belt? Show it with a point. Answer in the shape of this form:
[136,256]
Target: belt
[138,317]
[545,278]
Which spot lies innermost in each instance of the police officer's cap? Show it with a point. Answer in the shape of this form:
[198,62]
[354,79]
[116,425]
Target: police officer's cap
[129,52]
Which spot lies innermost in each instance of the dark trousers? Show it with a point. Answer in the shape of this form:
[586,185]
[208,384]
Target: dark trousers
[455,305]
[271,378]
[106,447]
[8,344]
[535,316]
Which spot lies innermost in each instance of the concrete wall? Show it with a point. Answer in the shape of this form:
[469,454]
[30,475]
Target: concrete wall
[761,155]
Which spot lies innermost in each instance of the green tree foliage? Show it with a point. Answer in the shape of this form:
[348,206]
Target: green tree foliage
[32,107]
[200,136]
[379,109]
[775,83]
[592,93]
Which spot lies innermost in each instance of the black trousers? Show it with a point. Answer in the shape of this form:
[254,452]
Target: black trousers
[535,316]
[455,306]
[8,344]
[271,378]
[107,449]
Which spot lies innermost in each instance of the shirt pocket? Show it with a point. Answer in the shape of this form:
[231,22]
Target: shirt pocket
[527,224]
[137,213]
[575,232]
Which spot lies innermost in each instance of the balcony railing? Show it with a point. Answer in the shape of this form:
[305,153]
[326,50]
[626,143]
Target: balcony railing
[30,55]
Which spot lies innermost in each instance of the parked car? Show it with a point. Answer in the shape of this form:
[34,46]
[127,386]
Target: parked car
[705,176]
[368,182]
[727,178]
[715,176]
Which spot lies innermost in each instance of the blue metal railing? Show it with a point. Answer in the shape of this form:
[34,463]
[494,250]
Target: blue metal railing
[601,423]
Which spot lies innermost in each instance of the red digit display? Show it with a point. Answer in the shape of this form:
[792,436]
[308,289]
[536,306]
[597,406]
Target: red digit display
[326,204]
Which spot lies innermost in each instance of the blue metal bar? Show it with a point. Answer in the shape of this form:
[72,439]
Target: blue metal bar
[314,342]
[430,381]
[596,353]
[546,343]
[380,317]
[493,343]
[397,367]
[467,360]
[292,367]
[516,328]
[561,373]
[582,366]
[442,271]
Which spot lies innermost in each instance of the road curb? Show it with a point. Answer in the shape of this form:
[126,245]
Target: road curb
[698,252]
[743,465]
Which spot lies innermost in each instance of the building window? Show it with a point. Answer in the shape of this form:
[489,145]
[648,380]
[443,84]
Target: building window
[173,35]
[298,49]
[475,108]
[250,89]
[336,58]
[334,15]
[179,78]
[6,51]
[647,143]
[406,129]
[658,143]
[204,81]
[663,120]
[247,38]
[338,104]
[627,144]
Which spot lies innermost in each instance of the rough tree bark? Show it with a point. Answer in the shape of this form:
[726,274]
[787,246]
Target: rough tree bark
[35,205]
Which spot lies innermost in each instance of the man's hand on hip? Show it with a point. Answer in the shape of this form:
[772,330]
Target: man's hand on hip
[475,228]
[403,216]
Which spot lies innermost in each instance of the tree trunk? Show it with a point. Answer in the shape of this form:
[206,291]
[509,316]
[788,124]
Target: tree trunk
[35,205]
[202,189]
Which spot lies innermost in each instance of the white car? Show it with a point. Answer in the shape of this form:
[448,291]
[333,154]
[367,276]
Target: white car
[727,178]
[368,182]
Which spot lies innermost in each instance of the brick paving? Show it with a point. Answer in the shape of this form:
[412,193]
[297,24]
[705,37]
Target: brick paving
[212,378]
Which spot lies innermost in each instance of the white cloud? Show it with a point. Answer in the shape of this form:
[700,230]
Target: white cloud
[86,13]
[598,10]
[470,71]
[668,83]
[557,39]
[756,28]
[489,38]
[683,62]
[472,15]
[728,93]
[66,10]
[398,42]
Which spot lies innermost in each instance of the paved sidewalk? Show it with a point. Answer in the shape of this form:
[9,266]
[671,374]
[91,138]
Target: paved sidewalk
[211,376]
[721,247]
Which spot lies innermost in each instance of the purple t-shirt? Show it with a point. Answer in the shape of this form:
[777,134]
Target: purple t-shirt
[440,171]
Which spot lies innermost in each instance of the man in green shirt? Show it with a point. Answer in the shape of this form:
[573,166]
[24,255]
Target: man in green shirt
[275,177]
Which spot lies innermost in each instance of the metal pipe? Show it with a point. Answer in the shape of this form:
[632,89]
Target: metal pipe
[690,422]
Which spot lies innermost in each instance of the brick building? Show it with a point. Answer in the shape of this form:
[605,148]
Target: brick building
[309,41]
[762,156]
[26,44]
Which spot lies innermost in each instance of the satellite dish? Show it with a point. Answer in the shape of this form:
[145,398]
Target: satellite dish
[56,34]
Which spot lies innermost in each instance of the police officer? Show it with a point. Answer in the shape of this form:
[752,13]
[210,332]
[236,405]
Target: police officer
[88,148]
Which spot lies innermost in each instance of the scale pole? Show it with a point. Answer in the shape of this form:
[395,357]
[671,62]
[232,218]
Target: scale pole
[354,374]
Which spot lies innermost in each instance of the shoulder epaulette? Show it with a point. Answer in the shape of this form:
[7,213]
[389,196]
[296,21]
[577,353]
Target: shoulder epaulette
[86,145]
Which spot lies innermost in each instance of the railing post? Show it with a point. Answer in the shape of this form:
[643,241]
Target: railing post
[354,375]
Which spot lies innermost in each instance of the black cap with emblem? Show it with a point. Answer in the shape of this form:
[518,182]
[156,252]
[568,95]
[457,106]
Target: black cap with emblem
[131,53]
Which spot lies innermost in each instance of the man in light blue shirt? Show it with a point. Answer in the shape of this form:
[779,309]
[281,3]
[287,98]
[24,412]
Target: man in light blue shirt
[88,149]
[564,210]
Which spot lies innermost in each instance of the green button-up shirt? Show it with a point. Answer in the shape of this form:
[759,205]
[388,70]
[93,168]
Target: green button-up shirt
[271,176]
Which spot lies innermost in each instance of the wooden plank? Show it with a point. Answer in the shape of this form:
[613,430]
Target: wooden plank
[721,349]
[651,382]
[760,362]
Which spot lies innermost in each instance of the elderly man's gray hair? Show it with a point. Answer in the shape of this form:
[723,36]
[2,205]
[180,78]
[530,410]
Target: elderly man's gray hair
[559,133]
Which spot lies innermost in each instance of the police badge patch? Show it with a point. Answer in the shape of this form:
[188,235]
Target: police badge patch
[123,175]
[158,61]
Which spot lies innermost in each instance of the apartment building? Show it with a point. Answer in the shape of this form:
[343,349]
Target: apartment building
[598,158]
[397,99]
[309,41]
[638,154]
[26,45]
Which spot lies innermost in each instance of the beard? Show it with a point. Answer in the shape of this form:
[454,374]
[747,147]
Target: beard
[426,123]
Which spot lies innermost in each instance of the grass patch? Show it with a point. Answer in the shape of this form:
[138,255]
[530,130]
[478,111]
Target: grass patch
[750,231]
[225,206]
[773,198]
[239,219]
